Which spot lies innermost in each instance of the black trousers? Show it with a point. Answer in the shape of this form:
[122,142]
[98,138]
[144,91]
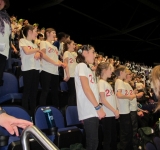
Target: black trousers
[31,81]
[126,133]
[49,82]
[2,67]
[134,128]
[109,133]
[91,130]
[72,92]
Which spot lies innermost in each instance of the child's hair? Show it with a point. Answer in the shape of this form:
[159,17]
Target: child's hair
[39,35]
[24,31]
[101,66]
[48,30]
[80,58]
[119,69]
[155,80]
[65,45]
[61,35]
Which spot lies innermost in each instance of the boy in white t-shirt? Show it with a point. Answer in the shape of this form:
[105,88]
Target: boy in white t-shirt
[124,109]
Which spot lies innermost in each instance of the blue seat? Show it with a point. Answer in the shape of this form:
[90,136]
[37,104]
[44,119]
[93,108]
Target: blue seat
[157,142]
[72,116]
[17,112]
[41,123]
[150,146]
[64,86]
[9,90]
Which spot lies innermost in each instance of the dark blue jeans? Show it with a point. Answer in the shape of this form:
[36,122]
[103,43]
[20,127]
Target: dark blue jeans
[91,129]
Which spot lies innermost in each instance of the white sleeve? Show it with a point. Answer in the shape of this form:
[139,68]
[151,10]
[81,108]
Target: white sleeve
[120,85]
[43,45]
[82,70]
[65,55]
[22,42]
[101,86]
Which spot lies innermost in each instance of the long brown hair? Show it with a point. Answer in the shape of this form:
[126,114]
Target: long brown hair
[80,58]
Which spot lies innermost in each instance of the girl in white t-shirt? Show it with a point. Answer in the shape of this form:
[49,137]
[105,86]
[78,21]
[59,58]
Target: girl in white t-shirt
[69,58]
[49,77]
[133,106]
[108,99]
[30,67]
[89,109]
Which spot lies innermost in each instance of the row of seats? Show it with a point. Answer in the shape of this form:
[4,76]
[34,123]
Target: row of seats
[11,87]
[71,117]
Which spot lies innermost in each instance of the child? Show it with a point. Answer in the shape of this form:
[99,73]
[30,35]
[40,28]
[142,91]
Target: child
[30,67]
[133,107]
[123,104]
[108,99]
[89,109]
[49,76]
[70,60]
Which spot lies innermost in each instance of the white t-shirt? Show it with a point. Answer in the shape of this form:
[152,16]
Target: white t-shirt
[4,40]
[71,62]
[133,103]
[28,61]
[123,104]
[52,53]
[105,87]
[84,106]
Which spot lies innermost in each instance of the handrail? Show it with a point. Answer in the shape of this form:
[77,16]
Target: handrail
[39,136]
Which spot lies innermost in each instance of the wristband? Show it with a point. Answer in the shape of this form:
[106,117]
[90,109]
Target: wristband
[98,107]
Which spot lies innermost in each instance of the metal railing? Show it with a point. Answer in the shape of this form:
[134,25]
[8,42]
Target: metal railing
[39,136]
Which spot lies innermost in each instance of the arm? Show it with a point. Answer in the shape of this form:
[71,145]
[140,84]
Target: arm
[14,49]
[28,51]
[106,104]
[89,94]
[46,58]
[121,96]
[66,69]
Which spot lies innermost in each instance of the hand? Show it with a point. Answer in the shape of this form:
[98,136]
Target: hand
[140,113]
[15,51]
[131,97]
[146,111]
[139,95]
[11,123]
[64,65]
[101,113]
[116,113]
[135,91]
[37,55]
[66,78]
[59,63]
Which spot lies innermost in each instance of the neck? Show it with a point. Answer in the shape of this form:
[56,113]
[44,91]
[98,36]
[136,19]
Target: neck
[103,78]
[49,40]
[29,39]
[120,78]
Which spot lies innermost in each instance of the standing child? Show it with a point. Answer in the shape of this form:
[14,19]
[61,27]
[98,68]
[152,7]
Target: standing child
[108,99]
[30,67]
[89,109]
[49,76]
[133,107]
[124,108]
[70,60]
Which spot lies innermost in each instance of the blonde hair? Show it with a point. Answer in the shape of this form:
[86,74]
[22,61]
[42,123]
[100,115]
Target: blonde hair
[101,66]
[155,78]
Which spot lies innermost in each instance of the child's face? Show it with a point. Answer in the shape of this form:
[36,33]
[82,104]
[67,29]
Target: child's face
[90,56]
[109,71]
[123,74]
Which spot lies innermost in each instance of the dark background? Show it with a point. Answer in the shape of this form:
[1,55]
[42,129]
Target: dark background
[129,29]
